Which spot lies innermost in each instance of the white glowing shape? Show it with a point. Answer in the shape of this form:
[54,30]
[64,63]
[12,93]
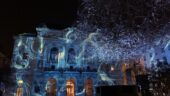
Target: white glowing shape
[41,45]
[20,81]
[112,68]
[21,48]
[104,77]
[61,56]
[85,42]
[42,30]
[19,43]
[166,46]
[80,93]
[21,64]
[68,40]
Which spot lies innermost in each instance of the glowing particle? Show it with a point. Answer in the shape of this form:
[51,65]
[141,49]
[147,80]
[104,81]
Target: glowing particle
[112,68]
[20,82]
[19,43]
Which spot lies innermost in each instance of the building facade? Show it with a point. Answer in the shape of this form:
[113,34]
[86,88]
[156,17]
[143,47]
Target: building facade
[56,63]
[49,65]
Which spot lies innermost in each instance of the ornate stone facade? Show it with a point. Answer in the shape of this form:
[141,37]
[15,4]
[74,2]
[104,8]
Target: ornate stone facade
[50,64]
[57,63]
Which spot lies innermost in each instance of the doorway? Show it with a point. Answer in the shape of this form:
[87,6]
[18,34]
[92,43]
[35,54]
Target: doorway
[70,87]
[89,87]
[51,87]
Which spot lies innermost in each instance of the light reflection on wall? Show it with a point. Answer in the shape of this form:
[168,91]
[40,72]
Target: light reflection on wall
[91,51]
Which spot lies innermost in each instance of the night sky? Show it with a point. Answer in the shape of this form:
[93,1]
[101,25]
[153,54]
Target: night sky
[18,16]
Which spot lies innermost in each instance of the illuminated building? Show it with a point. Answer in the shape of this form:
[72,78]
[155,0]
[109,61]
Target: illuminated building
[56,63]
[49,64]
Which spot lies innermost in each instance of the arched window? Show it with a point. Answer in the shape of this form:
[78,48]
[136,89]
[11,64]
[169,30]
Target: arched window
[89,55]
[54,55]
[51,87]
[70,87]
[71,56]
[89,87]
[19,91]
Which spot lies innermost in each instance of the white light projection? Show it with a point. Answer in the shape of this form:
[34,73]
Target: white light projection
[26,49]
[101,44]
[69,37]
[96,44]
[107,49]
[37,45]
[75,35]
[168,43]
[80,93]
[19,50]
[91,49]
[124,42]
[41,45]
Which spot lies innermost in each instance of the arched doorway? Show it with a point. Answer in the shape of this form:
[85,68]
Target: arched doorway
[89,87]
[124,68]
[70,87]
[51,87]
[19,91]
[53,55]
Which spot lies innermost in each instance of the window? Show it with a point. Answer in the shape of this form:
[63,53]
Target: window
[53,55]
[71,56]
[89,87]
[51,87]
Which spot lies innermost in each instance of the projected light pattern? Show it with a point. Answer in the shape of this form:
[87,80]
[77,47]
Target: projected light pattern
[102,51]
[41,45]
[19,60]
[22,88]
[100,44]
[94,52]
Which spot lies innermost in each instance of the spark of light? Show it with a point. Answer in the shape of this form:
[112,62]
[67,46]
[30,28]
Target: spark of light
[166,46]
[41,45]
[19,43]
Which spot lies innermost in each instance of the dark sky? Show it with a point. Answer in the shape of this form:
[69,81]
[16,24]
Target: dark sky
[20,16]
